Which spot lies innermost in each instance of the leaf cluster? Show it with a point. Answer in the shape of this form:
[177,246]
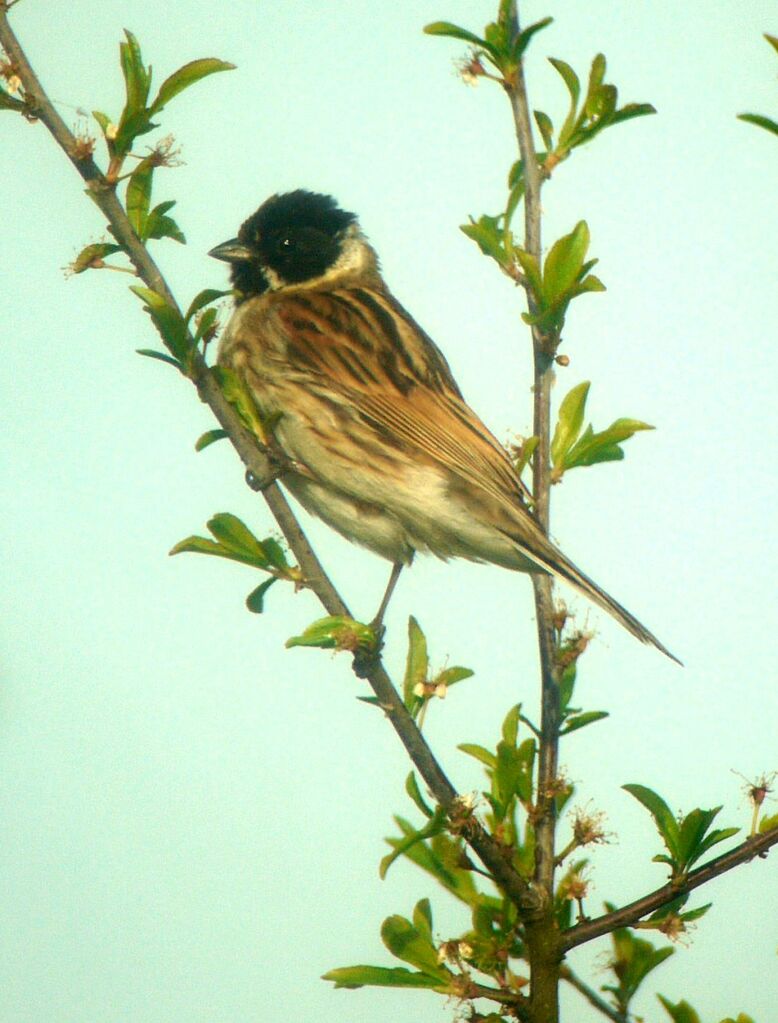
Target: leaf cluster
[138,119]
[233,540]
[175,330]
[571,449]
[500,44]
[686,838]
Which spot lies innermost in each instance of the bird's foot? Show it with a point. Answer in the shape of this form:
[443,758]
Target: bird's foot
[367,658]
[277,466]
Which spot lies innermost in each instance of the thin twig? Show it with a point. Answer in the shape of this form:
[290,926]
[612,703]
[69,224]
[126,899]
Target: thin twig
[757,845]
[591,996]
[38,106]
[517,1001]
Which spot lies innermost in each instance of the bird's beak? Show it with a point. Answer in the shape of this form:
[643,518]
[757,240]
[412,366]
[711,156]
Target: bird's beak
[232,251]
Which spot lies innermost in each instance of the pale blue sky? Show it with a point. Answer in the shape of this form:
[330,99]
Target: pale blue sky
[191,816]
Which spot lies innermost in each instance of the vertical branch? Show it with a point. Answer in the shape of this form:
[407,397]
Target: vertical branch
[543,379]
[542,938]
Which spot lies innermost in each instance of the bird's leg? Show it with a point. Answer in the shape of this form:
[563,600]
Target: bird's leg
[365,660]
[377,622]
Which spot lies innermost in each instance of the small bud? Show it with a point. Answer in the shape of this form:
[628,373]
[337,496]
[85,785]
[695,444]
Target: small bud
[562,360]
[419,689]
[440,690]
[111,132]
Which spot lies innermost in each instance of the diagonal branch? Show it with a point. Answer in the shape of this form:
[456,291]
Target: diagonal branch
[591,996]
[37,106]
[756,845]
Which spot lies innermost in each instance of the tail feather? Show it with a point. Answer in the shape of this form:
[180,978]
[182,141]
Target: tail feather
[553,561]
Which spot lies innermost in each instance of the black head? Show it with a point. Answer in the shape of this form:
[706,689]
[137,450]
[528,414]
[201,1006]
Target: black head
[292,238]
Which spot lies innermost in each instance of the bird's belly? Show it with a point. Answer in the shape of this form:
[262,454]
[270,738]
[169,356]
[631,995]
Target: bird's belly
[385,497]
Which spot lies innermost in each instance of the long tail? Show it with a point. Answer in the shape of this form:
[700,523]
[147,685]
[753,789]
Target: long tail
[553,561]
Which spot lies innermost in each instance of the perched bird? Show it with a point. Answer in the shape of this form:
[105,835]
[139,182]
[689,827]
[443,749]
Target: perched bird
[382,446]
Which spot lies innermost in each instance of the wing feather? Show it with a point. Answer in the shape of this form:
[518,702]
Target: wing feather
[362,343]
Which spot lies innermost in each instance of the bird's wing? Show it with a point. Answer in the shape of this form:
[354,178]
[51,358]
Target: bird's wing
[367,347]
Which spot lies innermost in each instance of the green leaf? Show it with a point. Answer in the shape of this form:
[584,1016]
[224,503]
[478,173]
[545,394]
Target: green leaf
[450,676]
[407,943]
[210,436]
[235,535]
[439,857]
[695,914]
[524,38]
[634,958]
[663,816]
[160,226]
[510,726]
[422,919]
[631,110]
[401,847]
[137,79]
[203,545]
[336,632]
[545,127]
[768,824]
[529,265]
[203,298]
[139,197]
[564,262]
[527,450]
[102,119]
[569,77]
[186,76]
[413,790]
[238,395]
[167,320]
[569,422]
[603,446]
[596,77]
[682,1012]
[760,121]
[162,357]
[416,664]
[719,835]
[91,254]
[488,235]
[479,753]
[379,976]
[515,196]
[255,599]
[233,540]
[206,323]
[576,721]
[275,554]
[513,772]
[446,28]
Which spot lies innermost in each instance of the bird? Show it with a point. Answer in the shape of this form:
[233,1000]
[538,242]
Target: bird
[378,440]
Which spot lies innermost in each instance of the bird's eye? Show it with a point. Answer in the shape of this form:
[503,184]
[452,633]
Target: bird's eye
[286,243]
